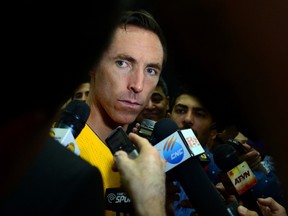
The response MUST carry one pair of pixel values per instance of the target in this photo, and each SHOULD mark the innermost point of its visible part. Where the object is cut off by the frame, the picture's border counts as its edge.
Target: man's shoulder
(62, 160)
(59, 178)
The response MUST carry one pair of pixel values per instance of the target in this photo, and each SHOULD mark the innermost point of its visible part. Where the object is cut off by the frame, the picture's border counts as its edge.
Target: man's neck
(102, 128)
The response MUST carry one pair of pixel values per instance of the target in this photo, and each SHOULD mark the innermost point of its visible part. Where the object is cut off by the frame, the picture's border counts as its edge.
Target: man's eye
(156, 98)
(121, 64)
(78, 95)
(180, 111)
(200, 114)
(152, 71)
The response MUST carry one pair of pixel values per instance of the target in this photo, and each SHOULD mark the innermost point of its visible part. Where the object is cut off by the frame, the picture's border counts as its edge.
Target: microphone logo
(173, 151)
(111, 197)
(70, 145)
(118, 198)
(242, 177)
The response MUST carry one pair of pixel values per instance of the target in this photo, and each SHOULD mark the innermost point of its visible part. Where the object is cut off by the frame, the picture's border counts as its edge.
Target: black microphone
(200, 190)
(237, 177)
(74, 117)
(71, 122)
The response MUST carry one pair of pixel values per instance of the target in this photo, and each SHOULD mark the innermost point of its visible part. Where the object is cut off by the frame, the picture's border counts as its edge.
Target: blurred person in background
(192, 110)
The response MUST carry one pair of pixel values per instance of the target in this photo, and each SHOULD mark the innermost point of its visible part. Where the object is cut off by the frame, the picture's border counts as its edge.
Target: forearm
(151, 207)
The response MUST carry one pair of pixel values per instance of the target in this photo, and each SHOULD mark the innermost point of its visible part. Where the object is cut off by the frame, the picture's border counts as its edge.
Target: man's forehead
(188, 100)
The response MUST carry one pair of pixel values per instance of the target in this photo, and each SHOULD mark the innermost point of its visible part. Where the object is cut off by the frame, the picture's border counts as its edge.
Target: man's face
(82, 92)
(157, 106)
(127, 74)
(188, 112)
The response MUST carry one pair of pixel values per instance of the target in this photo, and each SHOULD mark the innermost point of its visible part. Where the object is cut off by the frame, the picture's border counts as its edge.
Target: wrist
(150, 208)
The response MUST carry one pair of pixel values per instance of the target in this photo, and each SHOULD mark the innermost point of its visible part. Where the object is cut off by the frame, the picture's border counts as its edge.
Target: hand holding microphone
(268, 206)
(237, 177)
(143, 177)
(253, 158)
(179, 149)
(248, 154)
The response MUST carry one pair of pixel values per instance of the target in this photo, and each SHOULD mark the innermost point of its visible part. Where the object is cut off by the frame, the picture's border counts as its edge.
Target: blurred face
(188, 112)
(157, 106)
(82, 92)
(127, 74)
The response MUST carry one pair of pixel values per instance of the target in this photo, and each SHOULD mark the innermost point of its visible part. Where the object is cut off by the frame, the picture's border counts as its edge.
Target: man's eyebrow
(156, 94)
(194, 108)
(200, 109)
(155, 65)
(126, 57)
(181, 106)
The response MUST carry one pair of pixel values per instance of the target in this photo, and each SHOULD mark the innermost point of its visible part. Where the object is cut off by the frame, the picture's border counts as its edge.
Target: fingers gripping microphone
(71, 122)
(237, 177)
(186, 169)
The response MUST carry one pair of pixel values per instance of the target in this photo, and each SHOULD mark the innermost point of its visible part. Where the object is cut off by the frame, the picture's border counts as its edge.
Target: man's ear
(168, 114)
(168, 102)
(213, 133)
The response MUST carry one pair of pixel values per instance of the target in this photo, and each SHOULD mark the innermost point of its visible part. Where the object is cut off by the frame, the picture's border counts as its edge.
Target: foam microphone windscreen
(74, 116)
(163, 128)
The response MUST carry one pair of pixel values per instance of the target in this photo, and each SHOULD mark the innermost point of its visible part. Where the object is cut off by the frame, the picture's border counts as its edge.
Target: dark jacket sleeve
(57, 183)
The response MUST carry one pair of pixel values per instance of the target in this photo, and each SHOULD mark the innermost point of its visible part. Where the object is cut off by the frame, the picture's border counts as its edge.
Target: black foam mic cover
(74, 116)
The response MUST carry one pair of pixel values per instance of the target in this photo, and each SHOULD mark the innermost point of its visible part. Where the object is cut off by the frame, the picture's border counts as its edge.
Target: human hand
(143, 178)
(136, 128)
(229, 198)
(243, 211)
(268, 206)
(252, 157)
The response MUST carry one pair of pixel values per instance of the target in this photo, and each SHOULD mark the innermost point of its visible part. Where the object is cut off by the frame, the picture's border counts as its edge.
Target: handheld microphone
(183, 164)
(71, 122)
(74, 117)
(158, 134)
(237, 177)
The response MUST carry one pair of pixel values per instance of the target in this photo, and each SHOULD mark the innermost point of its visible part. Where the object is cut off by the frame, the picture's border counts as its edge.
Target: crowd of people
(41, 177)
(190, 111)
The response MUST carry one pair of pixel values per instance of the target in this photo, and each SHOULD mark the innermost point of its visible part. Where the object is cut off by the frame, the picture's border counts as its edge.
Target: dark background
(223, 50)
(201, 52)
(235, 53)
